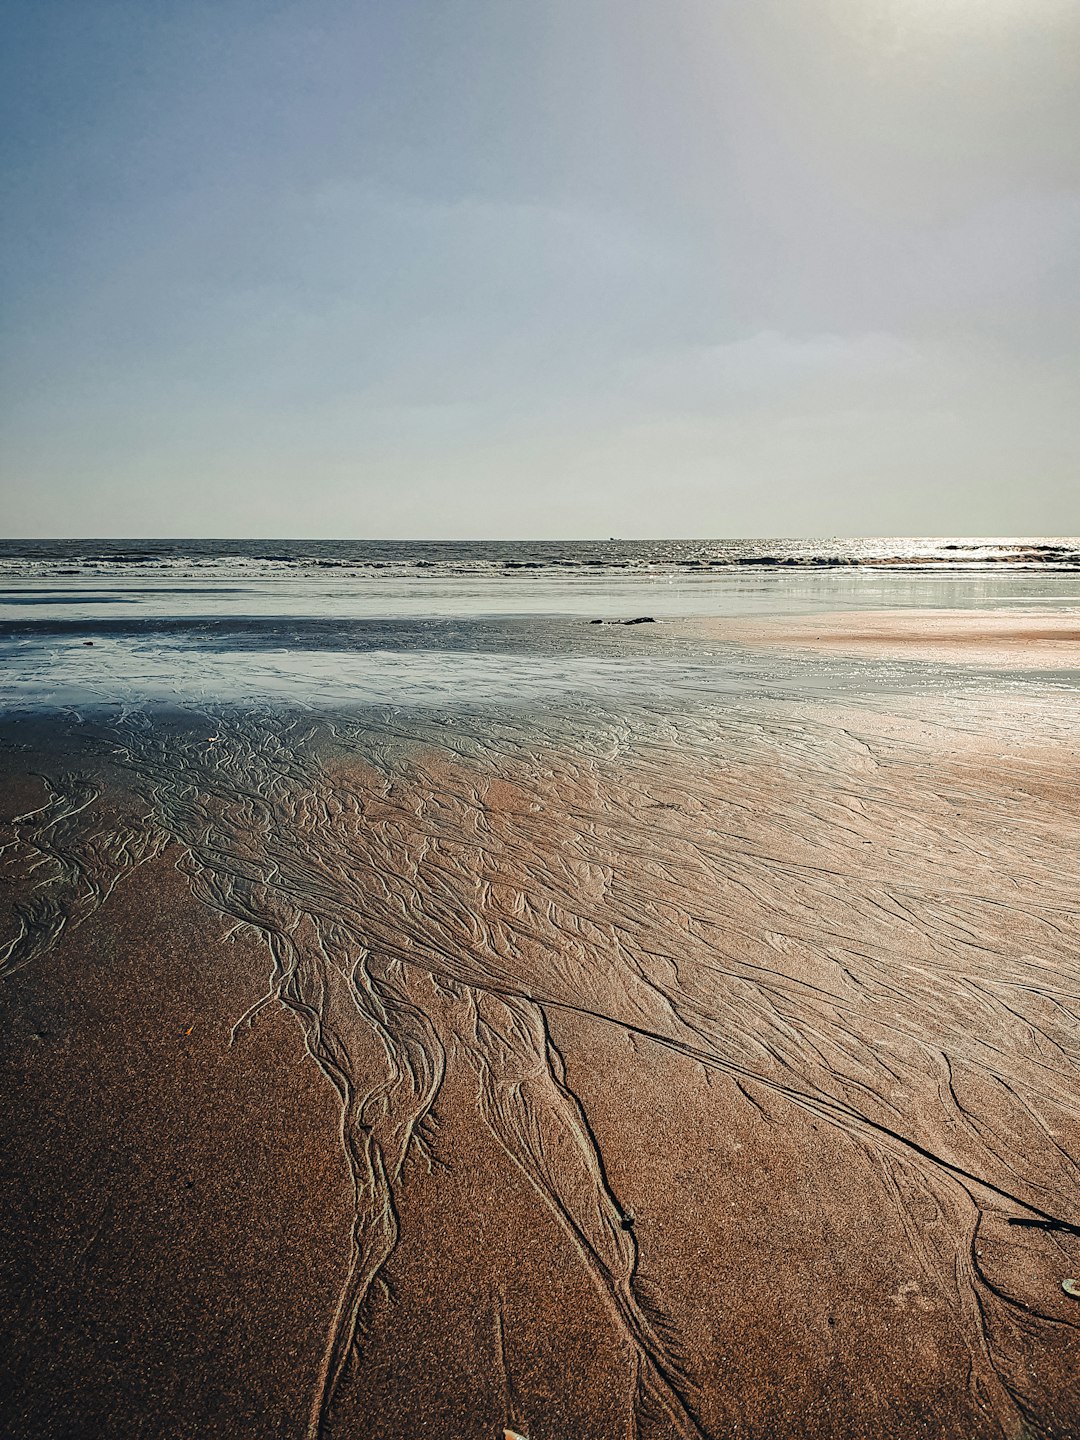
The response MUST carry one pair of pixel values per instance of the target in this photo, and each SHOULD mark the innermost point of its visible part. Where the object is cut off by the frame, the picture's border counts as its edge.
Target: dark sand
(680, 1084)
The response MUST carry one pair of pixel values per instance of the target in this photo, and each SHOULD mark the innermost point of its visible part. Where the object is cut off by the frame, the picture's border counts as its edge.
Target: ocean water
(234, 558)
(109, 623)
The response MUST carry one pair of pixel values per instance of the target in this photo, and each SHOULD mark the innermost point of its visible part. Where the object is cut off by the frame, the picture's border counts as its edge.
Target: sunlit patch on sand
(1000, 639)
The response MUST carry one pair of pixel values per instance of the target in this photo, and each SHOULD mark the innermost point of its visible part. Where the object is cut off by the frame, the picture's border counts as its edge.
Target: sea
(87, 625)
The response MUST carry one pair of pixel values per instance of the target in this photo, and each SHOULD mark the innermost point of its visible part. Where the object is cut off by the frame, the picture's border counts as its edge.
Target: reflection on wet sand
(774, 1014)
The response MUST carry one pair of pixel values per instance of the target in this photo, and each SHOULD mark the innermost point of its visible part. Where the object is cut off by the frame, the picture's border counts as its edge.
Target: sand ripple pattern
(852, 924)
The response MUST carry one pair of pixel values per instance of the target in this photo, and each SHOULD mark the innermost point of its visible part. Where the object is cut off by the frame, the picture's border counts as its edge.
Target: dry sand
(681, 1084)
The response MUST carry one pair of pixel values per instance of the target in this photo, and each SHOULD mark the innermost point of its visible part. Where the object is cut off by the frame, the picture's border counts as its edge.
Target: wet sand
(1045, 640)
(646, 1076)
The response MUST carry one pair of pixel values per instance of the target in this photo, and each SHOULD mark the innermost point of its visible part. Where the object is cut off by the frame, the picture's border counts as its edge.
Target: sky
(540, 268)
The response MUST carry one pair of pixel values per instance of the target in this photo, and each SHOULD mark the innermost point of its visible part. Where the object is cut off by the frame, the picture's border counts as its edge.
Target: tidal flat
(623, 1074)
(501, 1022)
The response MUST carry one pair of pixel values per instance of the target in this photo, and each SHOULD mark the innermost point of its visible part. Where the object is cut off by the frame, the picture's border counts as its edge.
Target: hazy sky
(541, 267)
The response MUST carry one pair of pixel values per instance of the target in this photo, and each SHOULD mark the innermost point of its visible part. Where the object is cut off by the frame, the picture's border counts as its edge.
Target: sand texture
(1008, 639)
(628, 1077)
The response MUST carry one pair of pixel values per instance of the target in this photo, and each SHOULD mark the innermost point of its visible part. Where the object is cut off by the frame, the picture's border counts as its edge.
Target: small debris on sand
(638, 620)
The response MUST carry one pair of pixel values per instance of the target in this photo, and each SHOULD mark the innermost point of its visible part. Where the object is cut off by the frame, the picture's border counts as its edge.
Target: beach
(528, 987)
(625, 1056)
(998, 638)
